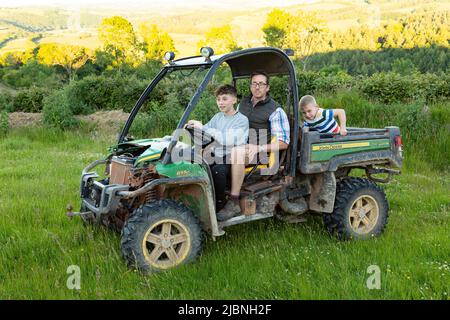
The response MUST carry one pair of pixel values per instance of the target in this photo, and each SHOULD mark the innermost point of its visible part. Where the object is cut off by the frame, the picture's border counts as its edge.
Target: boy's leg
(239, 157)
(220, 173)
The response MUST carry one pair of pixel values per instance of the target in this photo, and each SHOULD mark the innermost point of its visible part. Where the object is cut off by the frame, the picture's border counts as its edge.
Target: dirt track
(105, 119)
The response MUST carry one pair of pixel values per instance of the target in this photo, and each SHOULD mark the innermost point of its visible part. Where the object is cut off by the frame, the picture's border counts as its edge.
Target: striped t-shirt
(325, 123)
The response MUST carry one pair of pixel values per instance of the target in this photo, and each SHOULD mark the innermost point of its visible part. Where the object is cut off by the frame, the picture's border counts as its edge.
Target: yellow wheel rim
(364, 213)
(166, 244)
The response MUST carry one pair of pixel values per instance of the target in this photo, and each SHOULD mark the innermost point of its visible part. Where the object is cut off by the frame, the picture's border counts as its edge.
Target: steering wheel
(199, 136)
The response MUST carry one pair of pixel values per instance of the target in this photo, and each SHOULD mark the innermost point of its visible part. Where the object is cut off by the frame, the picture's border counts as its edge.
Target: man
(267, 119)
(229, 128)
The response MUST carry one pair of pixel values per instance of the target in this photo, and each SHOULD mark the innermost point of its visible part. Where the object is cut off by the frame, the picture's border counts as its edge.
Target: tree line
(423, 36)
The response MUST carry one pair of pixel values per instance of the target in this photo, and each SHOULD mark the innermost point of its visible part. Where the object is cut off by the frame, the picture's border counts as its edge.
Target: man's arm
(279, 127)
(340, 114)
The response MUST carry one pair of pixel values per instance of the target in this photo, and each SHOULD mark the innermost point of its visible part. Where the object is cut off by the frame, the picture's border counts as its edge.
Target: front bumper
(98, 197)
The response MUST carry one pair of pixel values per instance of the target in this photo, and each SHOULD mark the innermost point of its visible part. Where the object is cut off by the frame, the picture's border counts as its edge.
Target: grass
(39, 176)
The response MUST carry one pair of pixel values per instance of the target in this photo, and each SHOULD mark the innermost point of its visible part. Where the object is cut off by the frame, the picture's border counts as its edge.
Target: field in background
(187, 27)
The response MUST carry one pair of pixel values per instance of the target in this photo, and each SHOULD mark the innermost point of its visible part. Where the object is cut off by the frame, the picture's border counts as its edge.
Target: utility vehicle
(162, 207)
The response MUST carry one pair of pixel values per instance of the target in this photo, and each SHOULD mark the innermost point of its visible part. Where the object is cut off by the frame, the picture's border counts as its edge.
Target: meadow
(39, 175)
(40, 165)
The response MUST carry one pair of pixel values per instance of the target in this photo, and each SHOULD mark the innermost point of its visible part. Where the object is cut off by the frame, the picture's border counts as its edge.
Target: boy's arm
(195, 124)
(340, 113)
(305, 126)
(236, 134)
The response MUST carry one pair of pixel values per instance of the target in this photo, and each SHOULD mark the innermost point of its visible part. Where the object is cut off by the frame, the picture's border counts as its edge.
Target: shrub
(5, 102)
(29, 100)
(331, 83)
(57, 111)
(142, 127)
(4, 123)
(392, 87)
(99, 92)
(32, 74)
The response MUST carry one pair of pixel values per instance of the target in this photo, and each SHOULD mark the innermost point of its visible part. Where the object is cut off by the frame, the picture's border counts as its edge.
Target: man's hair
(226, 89)
(305, 100)
(260, 73)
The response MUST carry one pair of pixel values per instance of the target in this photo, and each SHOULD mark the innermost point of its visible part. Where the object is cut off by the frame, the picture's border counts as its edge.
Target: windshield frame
(213, 65)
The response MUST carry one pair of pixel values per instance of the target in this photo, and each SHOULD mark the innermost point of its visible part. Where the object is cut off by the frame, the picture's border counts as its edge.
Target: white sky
(150, 3)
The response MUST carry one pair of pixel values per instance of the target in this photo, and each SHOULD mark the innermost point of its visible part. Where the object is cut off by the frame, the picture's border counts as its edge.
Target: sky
(151, 3)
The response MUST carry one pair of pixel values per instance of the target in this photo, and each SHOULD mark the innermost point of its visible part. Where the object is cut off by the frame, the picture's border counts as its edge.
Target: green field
(39, 176)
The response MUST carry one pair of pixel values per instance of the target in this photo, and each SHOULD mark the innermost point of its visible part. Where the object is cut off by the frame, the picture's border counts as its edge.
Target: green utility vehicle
(162, 206)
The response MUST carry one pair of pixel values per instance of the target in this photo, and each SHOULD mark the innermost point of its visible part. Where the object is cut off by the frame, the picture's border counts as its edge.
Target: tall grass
(39, 175)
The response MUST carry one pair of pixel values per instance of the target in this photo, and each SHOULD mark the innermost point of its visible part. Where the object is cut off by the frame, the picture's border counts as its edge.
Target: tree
(71, 58)
(220, 39)
(277, 28)
(302, 32)
(120, 42)
(16, 58)
(156, 42)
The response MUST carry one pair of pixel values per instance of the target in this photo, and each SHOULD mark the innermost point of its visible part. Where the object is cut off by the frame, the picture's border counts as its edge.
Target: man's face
(226, 102)
(259, 87)
(309, 111)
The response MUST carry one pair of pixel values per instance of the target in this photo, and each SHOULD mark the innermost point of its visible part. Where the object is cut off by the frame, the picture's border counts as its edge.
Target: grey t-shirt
(228, 131)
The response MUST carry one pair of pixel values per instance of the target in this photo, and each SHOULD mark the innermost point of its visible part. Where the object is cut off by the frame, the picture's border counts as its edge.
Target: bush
(57, 111)
(32, 74)
(5, 102)
(94, 93)
(29, 100)
(143, 126)
(392, 87)
(4, 123)
(331, 83)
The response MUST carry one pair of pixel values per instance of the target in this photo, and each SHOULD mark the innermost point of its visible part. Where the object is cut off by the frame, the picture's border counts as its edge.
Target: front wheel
(161, 235)
(360, 210)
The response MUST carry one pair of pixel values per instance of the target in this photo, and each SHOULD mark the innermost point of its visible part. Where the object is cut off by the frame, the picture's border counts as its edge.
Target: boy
(229, 128)
(320, 119)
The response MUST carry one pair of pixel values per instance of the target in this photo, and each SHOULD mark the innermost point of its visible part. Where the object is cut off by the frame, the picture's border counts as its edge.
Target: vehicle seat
(271, 164)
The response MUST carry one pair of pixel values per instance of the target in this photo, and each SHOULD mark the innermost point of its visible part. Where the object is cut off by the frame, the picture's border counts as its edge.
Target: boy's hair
(226, 89)
(260, 73)
(305, 100)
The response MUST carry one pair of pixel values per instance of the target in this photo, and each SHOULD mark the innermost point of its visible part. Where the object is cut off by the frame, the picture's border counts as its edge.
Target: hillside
(78, 25)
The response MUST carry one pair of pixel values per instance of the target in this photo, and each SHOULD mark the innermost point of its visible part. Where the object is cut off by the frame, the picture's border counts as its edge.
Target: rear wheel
(161, 235)
(360, 210)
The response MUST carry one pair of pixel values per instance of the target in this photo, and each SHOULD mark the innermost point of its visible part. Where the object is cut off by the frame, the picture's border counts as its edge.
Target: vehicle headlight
(206, 52)
(169, 55)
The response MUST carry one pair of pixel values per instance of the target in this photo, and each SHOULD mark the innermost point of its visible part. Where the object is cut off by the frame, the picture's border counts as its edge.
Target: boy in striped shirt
(320, 119)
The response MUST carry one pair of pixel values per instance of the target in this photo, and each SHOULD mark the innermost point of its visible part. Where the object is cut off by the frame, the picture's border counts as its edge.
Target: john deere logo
(182, 173)
(324, 147)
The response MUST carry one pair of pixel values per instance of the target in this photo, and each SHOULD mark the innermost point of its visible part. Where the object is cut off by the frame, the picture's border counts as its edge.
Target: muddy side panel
(323, 192)
(320, 153)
